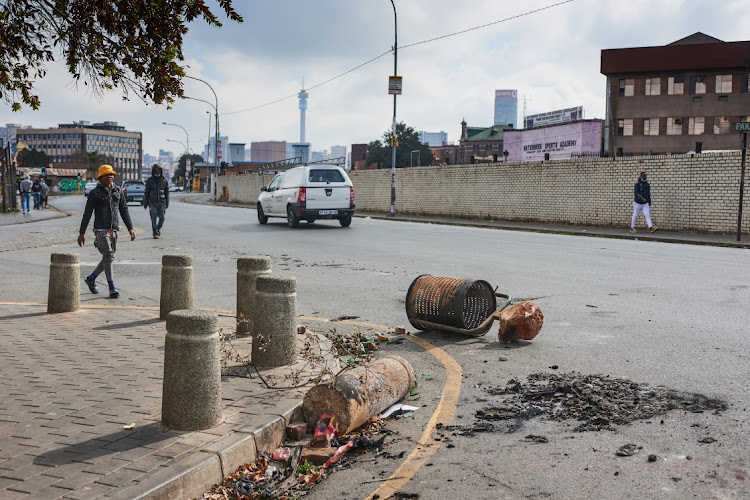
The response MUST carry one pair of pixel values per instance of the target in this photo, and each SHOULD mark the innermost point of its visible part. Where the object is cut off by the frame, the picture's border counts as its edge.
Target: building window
(723, 98)
(723, 84)
(721, 125)
(651, 126)
(625, 126)
(697, 84)
(696, 125)
(697, 99)
(674, 126)
(653, 86)
(627, 87)
(675, 85)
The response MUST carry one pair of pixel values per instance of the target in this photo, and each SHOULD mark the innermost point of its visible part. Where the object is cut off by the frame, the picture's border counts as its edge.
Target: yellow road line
(426, 445)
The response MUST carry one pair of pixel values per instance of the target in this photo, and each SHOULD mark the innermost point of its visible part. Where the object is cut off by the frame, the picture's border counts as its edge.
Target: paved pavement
(690, 238)
(75, 383)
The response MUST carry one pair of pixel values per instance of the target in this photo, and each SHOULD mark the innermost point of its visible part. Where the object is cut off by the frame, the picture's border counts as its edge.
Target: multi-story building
(8, 135)
(338, 152)
(481, 144)
(65, 143)
(222, 153)
(267, 151)
(433, 138)
(676, 98)
(359, 157)
(236, 152)
(506, 107)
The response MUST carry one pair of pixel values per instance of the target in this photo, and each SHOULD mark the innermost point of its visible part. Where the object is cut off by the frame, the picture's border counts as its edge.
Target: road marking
(426, 445)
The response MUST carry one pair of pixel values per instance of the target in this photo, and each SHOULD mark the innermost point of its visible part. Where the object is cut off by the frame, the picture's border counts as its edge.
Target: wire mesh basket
(454, 305)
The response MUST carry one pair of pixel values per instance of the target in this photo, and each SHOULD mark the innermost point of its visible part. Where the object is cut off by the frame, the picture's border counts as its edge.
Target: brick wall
(688, 193)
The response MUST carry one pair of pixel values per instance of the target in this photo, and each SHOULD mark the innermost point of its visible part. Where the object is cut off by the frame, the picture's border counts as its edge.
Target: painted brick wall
(688, 193)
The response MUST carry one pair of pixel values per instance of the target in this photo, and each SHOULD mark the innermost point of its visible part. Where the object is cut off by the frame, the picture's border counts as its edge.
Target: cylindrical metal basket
(454, 305)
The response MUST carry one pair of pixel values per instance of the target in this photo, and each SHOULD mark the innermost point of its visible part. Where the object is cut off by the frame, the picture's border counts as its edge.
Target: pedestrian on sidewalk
(36, 191)
(105, 201)
(44, 193)
(157, 198)
(24, 189)
(642, 203)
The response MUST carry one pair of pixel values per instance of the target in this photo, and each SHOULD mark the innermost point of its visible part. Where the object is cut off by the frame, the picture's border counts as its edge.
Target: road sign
(395, 85)
(741, 126)
(187, 164)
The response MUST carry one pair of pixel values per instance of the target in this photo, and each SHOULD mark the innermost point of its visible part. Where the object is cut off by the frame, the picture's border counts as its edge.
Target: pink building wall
(560, 141)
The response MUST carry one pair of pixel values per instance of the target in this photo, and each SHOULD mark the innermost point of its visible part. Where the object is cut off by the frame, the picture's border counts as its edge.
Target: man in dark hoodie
(642, 203)
(105, 201)
(156, 197)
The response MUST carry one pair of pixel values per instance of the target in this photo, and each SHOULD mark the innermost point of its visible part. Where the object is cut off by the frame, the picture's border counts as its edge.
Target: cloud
(551, 57)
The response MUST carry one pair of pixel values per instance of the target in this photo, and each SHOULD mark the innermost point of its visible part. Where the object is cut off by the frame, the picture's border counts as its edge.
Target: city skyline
(552, 57)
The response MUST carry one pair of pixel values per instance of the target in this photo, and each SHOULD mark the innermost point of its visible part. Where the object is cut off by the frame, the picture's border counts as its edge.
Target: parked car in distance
(175, 188)
(133, 190)
(90, 185)
(308, 193)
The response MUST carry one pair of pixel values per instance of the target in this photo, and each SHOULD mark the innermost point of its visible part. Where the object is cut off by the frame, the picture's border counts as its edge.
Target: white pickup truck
(308, 193)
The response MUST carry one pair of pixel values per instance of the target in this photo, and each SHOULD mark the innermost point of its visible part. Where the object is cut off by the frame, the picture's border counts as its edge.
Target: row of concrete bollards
(266, 309)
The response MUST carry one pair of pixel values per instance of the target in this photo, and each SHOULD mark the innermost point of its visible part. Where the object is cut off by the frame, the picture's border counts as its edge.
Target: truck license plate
(328, 212)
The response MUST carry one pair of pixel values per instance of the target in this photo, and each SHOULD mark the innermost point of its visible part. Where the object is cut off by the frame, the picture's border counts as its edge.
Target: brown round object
(521, 321)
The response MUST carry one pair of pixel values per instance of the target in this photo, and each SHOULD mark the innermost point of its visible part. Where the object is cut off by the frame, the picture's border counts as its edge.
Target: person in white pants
(642, 203)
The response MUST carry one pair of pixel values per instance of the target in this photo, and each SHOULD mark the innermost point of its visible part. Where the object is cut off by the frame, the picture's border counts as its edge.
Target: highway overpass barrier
(64, 283)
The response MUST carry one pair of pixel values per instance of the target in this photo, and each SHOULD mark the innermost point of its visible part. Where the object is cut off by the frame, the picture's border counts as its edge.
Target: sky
(551, 57)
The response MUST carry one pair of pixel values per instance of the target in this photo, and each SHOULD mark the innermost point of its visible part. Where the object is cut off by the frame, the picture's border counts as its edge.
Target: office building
(268, 151)
(676, 98)
(65, 144)
(338, 152)
(433, 138)
(236, 152)
(506, 107)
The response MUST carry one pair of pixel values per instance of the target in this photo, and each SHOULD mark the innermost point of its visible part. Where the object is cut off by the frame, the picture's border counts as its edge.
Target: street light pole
(187, 137)
(393, 137)
(216, 139)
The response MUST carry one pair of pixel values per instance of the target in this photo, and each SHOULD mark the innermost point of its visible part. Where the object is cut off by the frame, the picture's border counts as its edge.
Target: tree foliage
(179, 172)
(380, 152)
(133, 45)
(92, 160)
(32, 158)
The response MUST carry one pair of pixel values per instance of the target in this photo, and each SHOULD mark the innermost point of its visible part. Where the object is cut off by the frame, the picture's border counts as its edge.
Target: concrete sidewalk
(74, 383)
(689, 238)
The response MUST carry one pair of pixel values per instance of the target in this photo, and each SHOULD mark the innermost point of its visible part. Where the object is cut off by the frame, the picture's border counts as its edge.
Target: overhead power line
(402, 47)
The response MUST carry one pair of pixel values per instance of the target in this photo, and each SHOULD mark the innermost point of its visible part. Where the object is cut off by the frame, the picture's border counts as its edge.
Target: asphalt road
(653, 313)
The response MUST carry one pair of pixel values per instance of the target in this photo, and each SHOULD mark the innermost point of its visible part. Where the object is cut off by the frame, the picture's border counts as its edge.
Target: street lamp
(393, 138)
(187, 137)
(419, 157)
(216, 140)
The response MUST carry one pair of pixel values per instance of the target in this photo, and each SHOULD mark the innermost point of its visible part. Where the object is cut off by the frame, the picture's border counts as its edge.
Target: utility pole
(393, 137)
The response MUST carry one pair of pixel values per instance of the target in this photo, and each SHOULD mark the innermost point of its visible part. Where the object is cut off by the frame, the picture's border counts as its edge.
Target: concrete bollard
(191, 393)
(359, 394)
(177, 291)
(64, 283)
(248, 270)
(521, 321)
(274, 321)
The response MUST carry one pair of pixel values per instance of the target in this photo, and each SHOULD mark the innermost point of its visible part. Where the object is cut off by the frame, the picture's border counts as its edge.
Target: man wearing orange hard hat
(105, 201)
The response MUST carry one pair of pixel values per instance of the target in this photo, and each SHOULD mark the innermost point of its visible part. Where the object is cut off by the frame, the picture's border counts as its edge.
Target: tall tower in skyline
(506, 107)
(303, 95)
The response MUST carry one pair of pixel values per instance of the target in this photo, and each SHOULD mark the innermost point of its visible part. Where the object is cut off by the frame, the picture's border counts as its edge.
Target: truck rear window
(325, 175)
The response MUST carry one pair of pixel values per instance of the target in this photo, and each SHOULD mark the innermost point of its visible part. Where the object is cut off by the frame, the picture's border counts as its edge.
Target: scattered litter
(339, 453)
(398, 409)
(381, 338)
(536, 439)
(129, 426)
(707, 440)
(281, 454)
(627, 450)
(400, 331)
(301, 330)
(652, 458)
(325, 429)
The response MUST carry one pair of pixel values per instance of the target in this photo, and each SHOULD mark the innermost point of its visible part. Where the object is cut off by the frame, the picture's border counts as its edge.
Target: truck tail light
(302, 196)
(351, 196)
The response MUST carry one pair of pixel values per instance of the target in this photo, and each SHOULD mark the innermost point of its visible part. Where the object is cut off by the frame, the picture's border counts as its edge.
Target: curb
(468, 223)
(200, 472)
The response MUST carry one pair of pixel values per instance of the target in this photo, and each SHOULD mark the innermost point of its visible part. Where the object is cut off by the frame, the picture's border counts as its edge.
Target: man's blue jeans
(156, 211)
(37, 197)
(25, 201)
